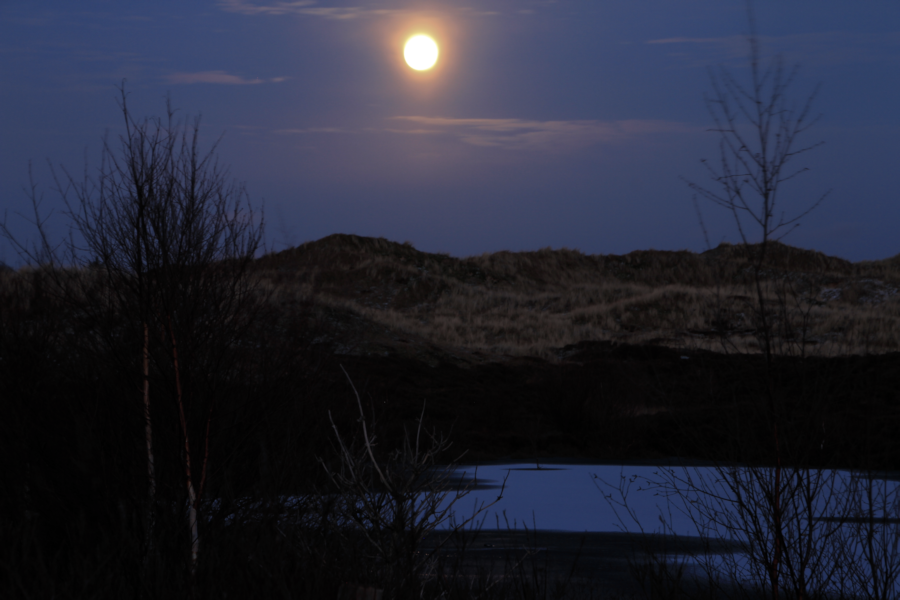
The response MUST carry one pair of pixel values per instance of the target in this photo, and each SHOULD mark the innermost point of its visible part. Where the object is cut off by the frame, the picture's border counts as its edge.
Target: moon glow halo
(420, 52)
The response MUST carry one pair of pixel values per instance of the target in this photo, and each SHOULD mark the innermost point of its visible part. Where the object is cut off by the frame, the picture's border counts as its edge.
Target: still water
(708, 520)
(563, 496)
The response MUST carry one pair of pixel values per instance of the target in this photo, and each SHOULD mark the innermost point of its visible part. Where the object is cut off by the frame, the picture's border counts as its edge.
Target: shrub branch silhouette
(398, 500)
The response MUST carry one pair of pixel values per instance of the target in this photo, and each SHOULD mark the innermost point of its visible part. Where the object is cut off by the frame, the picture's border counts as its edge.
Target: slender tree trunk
(777, 517)
(151, 471)
(192, 497)
(205, 454)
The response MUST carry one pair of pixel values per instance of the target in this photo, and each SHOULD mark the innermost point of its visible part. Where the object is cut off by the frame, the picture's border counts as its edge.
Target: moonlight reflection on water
(571, 504)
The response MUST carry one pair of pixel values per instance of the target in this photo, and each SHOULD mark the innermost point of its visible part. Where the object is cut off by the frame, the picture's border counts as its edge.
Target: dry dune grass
(533, 303)
(22, 289)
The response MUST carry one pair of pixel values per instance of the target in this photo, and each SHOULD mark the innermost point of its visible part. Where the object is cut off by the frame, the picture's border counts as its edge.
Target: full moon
(420, 52)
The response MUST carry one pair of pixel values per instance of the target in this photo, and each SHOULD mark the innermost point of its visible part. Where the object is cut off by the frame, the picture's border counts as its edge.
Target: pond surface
(558, 513)
(610, 515)
(564, 496)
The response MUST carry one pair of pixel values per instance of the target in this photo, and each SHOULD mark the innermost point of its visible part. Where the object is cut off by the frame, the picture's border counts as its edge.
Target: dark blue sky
(545, 123)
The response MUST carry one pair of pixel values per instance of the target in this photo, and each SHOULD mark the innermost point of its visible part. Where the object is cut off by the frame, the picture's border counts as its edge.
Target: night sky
(562, 123)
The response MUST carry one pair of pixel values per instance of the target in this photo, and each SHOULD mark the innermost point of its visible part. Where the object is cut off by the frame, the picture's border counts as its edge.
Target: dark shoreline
(600, 559)
(608, 402)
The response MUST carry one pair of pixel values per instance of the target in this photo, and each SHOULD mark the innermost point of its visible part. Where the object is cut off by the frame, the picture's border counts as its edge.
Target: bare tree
(170, 239)
(790, 513)
(759, 129)
(771, 494)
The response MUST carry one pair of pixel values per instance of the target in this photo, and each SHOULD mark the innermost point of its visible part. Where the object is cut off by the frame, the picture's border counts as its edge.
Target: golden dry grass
(532, 303)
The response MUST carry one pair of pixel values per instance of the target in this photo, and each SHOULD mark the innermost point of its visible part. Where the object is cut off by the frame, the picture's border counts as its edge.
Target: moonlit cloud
(523, 134)
(219, 77)
(305, 7)
(687, 40)
(516, 134)
(310, 8)
(276, 8)
(312, 130)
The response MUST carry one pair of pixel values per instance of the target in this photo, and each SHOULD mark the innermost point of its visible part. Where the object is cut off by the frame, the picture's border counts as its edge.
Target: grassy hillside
(533, 303)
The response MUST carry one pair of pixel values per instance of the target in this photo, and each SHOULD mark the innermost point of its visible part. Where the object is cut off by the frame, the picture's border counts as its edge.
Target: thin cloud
(686, 40)
(727, 49)
(310, 8)
(305, 7)
(515, 134)
(218, 77)
(278, 8)
(523, 134)
(823, 48)
(311, 130)
(409, 131)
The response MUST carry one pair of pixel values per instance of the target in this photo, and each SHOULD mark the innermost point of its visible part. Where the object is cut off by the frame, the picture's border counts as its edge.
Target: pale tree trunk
(189, 483)
(151, 472)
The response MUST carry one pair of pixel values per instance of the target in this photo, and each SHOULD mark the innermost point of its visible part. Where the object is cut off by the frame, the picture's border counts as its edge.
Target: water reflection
(565, 496)
(839, 531)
